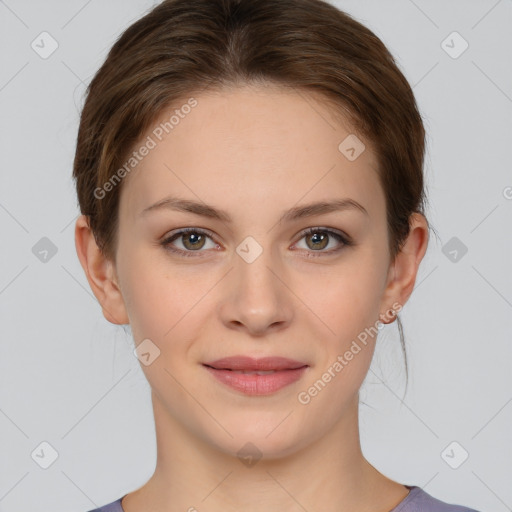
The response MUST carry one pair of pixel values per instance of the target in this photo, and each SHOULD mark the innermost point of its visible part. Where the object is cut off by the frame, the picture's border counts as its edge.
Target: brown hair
(183, 46)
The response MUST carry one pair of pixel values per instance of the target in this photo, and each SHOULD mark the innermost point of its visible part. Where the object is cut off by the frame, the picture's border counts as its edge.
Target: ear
(100, 273)
(403, 270)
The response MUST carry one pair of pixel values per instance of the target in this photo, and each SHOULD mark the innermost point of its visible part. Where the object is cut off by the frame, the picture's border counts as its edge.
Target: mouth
(256, 376)
(247, 372)
(246, 364)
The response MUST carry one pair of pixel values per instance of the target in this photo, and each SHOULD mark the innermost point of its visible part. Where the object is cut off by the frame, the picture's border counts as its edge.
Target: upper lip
(253, 364)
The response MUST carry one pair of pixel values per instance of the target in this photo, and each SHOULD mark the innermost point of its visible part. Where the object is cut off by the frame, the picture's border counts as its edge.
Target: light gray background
(69, 378)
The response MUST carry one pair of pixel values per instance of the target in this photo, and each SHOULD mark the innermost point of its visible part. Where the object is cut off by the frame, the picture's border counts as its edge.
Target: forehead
(251, 146)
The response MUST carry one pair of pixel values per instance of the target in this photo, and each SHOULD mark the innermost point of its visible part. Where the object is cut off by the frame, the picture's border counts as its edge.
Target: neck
(329, 473)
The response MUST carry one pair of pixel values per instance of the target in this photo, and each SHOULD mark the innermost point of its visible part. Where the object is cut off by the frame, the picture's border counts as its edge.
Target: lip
(253, 364)
(286, 372)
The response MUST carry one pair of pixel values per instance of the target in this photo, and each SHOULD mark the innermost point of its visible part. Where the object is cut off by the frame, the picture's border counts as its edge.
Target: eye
(191, 239)
(317, 239)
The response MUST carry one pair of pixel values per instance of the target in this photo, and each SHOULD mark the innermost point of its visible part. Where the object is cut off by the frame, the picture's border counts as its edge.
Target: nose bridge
(257, 298)
(252, 272)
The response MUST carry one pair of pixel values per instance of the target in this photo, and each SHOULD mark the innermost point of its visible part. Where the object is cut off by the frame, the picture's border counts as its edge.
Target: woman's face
(252, 282)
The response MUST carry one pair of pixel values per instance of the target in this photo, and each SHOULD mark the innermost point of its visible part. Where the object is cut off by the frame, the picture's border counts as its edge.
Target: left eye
(318, 239)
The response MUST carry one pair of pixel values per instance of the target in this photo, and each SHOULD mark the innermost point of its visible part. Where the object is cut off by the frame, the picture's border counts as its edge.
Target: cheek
(346, 300)
(148, 296)
(163, 301)
(349, 307)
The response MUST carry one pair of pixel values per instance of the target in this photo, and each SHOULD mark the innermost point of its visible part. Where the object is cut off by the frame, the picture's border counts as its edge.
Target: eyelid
(315, 229)
(166, 242)
(341, 237)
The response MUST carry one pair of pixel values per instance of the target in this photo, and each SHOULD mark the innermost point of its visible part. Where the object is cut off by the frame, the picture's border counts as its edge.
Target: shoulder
(419, 500)
(115, 506)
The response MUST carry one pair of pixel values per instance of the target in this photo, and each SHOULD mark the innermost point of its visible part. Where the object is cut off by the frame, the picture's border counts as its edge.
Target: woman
(250, 178)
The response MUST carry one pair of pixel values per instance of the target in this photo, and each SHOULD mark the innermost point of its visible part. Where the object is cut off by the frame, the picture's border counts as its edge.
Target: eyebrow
(295, 213)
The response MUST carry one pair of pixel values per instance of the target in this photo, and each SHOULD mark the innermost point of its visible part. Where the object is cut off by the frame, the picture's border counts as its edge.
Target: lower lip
(254, 384)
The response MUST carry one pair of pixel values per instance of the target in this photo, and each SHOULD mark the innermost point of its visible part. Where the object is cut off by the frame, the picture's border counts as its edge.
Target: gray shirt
(416, 501)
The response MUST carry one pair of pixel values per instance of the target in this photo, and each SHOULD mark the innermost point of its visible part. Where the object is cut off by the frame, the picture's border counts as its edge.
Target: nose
(256, 298)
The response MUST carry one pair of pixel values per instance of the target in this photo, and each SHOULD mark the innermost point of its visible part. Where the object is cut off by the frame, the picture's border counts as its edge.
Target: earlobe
(100, 273)
(402, 274)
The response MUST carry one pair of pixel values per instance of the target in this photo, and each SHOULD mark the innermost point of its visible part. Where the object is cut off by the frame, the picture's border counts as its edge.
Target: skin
(255, 152)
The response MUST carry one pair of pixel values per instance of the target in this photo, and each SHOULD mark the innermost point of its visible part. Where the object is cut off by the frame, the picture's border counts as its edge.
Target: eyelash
(346, 241)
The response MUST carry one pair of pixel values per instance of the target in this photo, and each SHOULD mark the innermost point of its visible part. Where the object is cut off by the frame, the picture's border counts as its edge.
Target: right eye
(191, 239)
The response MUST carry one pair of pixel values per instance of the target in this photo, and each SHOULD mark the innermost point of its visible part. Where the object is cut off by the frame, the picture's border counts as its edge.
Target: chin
(266, 440)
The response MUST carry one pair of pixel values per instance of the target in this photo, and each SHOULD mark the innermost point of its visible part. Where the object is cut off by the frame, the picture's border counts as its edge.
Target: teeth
(254, 372)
